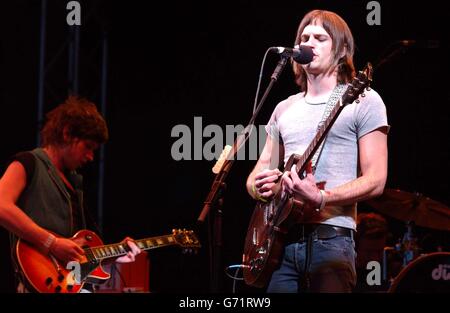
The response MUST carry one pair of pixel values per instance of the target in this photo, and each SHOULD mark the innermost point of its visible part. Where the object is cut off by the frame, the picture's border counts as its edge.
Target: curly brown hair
(343, 41)
(81, 120)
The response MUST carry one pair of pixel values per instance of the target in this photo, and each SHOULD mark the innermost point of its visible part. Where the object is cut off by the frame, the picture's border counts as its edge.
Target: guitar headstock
(186, 239)
(361, 81)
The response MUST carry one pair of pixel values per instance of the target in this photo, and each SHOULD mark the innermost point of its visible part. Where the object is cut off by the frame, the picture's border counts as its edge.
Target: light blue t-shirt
(294, 122)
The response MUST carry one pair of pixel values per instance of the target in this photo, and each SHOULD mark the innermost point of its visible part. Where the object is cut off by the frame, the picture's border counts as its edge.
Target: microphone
(302, 55)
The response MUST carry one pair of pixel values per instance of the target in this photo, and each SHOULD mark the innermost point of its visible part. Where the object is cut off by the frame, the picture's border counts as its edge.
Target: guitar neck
(119, 249)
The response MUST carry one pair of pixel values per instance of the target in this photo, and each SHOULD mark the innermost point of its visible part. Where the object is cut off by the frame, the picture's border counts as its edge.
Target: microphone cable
(235, 277)
(259, 79)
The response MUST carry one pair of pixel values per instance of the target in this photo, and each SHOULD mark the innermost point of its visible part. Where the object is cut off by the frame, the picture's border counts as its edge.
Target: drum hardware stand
(386, 251)
(407, 247)
(409, 244)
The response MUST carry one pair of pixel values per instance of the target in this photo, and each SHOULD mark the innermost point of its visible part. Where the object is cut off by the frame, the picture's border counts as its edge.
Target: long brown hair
(342, 39)
(81, 120)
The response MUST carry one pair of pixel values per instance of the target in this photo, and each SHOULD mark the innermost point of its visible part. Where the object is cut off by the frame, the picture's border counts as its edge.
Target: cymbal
(415, 207)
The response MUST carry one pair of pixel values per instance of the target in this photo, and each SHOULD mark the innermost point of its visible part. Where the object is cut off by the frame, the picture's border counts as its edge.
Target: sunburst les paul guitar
(45, 274)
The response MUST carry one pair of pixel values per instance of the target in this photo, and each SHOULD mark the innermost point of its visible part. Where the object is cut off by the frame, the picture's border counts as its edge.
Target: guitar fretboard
(119, 249)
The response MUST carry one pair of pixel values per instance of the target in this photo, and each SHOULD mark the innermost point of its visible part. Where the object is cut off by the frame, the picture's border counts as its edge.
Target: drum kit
(419, 270)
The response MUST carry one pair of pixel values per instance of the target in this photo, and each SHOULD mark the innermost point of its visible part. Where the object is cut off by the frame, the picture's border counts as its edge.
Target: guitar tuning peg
(363, 95)
(357, 101)
(368, 88)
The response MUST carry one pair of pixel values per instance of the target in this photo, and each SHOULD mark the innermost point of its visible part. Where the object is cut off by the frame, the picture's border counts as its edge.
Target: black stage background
(173, 61)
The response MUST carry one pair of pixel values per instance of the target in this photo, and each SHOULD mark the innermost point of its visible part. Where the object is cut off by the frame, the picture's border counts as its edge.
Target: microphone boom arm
(237, 145)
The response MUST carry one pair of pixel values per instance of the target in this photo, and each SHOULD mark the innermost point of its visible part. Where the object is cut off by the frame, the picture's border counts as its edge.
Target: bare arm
(373, 156)
(373, 163)
(266, 172)
(12, 218)
(16, 221)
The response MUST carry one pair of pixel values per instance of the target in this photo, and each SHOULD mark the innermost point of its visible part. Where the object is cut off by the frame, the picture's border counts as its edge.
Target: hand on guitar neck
(131, 255)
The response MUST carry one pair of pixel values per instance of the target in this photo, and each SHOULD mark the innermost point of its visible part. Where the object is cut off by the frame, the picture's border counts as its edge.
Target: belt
(320, 231)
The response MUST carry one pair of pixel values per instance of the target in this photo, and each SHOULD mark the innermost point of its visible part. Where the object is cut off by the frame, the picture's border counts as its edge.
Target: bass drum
(429, 273)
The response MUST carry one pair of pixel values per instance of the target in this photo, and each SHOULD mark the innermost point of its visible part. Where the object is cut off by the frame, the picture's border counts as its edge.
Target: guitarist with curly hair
(40, 200)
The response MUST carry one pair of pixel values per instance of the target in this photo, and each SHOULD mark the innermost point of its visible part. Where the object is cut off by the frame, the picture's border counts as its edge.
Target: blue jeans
(332, 267)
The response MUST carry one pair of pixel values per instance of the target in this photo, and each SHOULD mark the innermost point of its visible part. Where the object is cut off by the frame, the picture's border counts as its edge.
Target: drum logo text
(441, 272)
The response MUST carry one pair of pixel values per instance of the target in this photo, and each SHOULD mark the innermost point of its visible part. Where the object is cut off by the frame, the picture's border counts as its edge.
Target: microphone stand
(214, 200)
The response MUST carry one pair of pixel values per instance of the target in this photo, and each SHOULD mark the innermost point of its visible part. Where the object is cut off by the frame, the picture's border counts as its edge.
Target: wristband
(322, 201)
(49, 241)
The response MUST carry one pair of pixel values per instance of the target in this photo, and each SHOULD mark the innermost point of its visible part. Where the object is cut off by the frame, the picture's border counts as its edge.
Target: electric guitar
(45, 274)
(271, 220)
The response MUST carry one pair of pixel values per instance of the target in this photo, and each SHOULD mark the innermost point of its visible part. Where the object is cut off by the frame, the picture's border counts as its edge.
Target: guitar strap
(77, 182)
(337, 93)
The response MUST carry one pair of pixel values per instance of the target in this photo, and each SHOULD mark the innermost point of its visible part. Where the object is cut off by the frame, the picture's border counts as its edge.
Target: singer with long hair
(319, 255)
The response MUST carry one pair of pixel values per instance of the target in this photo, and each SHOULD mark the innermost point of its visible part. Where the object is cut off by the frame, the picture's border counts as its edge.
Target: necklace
(311, 103)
